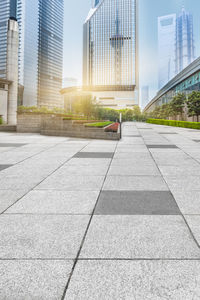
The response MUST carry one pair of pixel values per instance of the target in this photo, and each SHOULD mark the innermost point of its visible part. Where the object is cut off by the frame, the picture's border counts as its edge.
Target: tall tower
(40, 51)
(166, 48)
(110, 52)
(7, 11)
(185, 49)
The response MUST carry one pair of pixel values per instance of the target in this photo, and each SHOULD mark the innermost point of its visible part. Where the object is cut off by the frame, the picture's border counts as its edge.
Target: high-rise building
(175, 45)
(166, 48)
(110, 52)
(40, 51)
(7, 11)
(185, 49)
(144, 95)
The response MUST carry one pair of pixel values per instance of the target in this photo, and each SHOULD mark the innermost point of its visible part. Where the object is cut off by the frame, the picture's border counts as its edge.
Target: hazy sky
(149, 10)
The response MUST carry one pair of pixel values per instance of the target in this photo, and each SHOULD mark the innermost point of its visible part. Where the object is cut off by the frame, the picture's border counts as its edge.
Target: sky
(149, 10)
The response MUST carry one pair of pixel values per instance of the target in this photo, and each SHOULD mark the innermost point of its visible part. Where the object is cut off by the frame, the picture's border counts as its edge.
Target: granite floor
(101, 220)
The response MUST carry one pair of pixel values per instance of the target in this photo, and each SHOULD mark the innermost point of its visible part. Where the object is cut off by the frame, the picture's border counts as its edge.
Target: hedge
(1, 121)
(193, 125)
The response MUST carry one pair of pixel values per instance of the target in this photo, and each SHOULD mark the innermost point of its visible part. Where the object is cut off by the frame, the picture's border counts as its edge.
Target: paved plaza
(101, 220)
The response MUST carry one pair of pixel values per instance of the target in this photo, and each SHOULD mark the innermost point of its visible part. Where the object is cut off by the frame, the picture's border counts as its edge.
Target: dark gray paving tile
(136, 203)
(167, 132)
(162, 146)
(3, 167)
(94, 155)
(198, 141)
(11, 145)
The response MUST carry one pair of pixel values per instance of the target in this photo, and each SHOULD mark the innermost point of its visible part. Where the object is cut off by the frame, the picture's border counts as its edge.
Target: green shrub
(99, 125)
(193, 125)
(1, 121)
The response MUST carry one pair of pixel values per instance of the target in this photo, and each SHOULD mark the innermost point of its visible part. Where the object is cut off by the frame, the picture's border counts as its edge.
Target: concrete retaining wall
(54, 125)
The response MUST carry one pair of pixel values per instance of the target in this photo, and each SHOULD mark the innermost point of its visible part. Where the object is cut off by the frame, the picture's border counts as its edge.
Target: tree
(137, 113)
(193, 104)
(177, 104)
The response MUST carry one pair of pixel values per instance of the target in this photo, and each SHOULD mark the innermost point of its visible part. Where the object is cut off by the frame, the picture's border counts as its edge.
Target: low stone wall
(8, 128)
(54, 125)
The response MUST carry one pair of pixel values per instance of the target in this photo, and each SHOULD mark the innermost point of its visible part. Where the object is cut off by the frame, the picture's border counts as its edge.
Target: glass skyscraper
(110, 47)
(7, 11)
(175, 45)
(185, 49)
(40, 48)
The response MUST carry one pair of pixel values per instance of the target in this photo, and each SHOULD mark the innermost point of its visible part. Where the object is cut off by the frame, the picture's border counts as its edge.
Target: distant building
(144, 96)
(185, 49)
(110, 53)
(175, 45)
(166, 48)
(69, 82)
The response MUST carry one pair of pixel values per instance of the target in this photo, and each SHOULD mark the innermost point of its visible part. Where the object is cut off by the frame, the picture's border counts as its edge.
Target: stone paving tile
(141, 280)
(33, 279)
(96, 170)
(162, 146)
(41, 236)
(56, 202)
(139, 237)
(3, 167)
(188, 201)
(135, 169)
(72, 183)
(167, 132)
(136, 203)
(89, 161)
(11, 145)
(135, 183)
(177, 170)
(94, 155)
(8, 197)
(183, 183)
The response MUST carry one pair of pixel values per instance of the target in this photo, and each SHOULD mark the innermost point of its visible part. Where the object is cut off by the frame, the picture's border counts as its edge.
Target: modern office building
(7, 11)
(166, 48)
(185, 49)
(176, 48)
(110, 69)
(144, 96)
(186, 81)
(40, 51)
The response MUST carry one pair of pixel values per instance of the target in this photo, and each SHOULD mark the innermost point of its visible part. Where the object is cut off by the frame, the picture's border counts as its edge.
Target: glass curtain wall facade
(109, 49)
(50, 52)
(166, 48)
(185, 49)
(7, 11)
(40, 51)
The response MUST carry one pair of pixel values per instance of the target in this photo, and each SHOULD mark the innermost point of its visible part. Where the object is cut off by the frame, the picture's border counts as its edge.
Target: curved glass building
(110, 52)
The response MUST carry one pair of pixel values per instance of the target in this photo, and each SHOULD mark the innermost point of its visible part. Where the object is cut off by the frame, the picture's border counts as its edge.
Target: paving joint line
(181, 214)
(86, 231)
(41, 180)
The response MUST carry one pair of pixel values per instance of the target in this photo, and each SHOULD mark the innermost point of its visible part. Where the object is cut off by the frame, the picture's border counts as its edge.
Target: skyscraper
(184, 41)
(175, 45)
(40, 51)
(7, 11)
(110, 52)
(166, 48)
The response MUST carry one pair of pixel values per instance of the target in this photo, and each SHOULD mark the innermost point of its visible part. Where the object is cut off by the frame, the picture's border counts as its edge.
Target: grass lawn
(98, 125)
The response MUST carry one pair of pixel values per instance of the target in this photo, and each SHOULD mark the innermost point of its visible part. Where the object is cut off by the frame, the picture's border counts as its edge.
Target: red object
(112, 128)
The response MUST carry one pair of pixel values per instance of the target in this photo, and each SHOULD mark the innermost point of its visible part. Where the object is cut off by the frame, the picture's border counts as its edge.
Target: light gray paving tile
(139, 237)
(82, 170)
(56, 202)
(188, 201)
(72, 183)
(137, 183)
(141, 280)
(8, 197)
(177, 170)
(183, 183)
(193, 222)
(11, 145)
(43, 236)
(94, 155)
(136, 203)
(89, 161)
(33, 279)
(136, 169)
